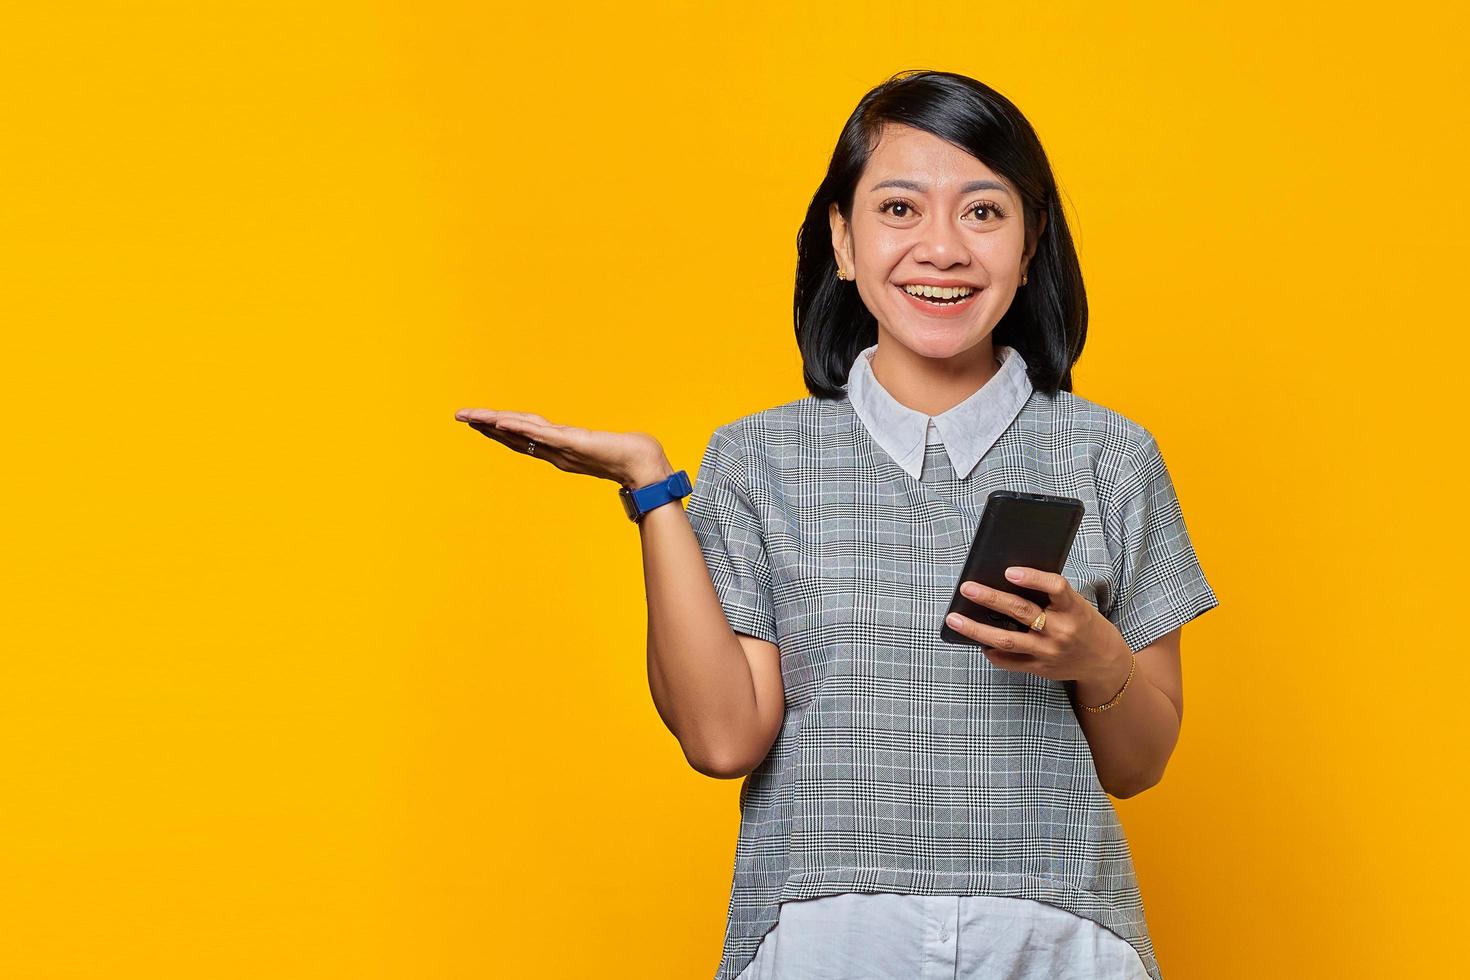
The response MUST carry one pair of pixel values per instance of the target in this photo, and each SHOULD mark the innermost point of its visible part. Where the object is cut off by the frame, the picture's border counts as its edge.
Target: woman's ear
(841, 240)
(1041, 227)
(1035, 239)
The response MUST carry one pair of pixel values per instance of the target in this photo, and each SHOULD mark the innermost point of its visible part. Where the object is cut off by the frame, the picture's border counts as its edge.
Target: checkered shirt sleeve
(730, 535)
(1159, 582)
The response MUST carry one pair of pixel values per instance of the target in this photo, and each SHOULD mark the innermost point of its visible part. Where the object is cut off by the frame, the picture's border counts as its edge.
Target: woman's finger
(493, 415)
(564, 437)
(1007, 641)
(506, 416)
(485, 415)
(520, 443)
(1054, 584)
(1013, 661)
(515, 440)
(554, 443)
(1019, 608)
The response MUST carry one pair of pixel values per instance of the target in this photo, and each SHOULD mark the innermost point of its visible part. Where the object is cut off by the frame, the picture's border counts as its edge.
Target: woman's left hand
(1075, 643)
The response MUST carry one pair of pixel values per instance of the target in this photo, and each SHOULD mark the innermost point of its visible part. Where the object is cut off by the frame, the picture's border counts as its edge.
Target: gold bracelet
(1132, 662)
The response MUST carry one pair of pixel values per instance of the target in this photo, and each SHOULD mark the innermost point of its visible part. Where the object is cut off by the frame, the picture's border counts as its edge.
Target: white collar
(967, 430)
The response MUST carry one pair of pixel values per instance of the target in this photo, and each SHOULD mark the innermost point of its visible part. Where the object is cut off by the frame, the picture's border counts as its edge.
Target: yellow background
(304, 679)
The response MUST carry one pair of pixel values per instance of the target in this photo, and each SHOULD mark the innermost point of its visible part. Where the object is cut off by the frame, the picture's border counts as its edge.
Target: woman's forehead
(917, 157)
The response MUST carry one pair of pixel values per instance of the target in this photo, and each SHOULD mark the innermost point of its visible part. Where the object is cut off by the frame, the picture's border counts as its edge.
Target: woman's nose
(940, 244)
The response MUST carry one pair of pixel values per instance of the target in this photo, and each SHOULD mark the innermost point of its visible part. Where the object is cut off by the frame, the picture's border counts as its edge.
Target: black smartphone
(1031, 529)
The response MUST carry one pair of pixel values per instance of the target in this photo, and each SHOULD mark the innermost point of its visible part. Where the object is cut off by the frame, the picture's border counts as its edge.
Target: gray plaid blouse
(906, 764)
(895, 935)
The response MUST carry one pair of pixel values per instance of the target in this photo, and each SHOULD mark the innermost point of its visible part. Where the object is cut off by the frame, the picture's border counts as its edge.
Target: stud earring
(1023, 278)
(839, 273)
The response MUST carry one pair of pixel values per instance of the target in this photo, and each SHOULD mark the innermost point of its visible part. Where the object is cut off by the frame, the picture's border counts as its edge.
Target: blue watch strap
(657, 494)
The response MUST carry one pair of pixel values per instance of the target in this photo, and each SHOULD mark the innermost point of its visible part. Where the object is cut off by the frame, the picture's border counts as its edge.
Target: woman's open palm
(609, 455)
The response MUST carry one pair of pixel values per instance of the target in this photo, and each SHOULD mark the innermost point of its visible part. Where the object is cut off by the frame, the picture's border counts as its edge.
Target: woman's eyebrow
(913, 185)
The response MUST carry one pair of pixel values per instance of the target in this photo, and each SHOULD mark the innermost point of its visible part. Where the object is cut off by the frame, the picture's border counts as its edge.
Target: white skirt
(883, 936)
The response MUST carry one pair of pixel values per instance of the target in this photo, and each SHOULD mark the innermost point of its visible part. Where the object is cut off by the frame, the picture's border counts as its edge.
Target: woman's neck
(933, 385)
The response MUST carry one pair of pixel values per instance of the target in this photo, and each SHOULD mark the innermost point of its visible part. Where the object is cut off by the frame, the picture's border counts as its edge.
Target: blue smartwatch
(638, 502)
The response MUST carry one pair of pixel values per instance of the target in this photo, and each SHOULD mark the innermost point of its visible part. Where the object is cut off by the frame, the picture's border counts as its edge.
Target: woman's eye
(994, 209)
(895, 204)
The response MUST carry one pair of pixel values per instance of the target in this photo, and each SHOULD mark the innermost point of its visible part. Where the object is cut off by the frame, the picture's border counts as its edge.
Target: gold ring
(531, 449)
(1039, 621)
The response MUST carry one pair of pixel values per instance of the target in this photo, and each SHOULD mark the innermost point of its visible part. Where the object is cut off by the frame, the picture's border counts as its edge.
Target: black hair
(1047, 320)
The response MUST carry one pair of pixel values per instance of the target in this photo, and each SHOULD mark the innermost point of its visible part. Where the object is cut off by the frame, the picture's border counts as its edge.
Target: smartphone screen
(1031, 529)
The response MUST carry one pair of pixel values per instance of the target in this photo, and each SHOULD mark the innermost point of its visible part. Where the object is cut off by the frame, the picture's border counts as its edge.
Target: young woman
(914, 807)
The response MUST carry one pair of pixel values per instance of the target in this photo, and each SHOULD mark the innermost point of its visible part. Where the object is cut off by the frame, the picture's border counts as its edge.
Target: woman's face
(927, 212)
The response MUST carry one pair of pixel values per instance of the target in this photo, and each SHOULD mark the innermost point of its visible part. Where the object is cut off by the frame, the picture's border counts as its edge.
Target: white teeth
(938, 292)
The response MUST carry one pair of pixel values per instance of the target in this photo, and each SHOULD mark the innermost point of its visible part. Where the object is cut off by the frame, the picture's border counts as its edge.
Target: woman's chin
(949, 340)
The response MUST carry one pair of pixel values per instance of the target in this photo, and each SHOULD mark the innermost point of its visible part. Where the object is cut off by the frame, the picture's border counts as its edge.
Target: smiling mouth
(939, 295)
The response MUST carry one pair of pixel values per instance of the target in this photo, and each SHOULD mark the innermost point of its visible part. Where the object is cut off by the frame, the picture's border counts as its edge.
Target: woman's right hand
(633, 459)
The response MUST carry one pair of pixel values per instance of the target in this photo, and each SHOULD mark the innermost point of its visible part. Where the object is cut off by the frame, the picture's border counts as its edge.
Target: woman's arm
(720, 696)
(719, 692)
(1131, 742)
(1157, 582)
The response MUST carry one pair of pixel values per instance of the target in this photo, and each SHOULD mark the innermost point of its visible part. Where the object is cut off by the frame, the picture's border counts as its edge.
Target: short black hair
(1047, 320)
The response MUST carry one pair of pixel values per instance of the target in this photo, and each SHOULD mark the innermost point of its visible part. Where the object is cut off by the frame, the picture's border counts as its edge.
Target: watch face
(630, 506)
